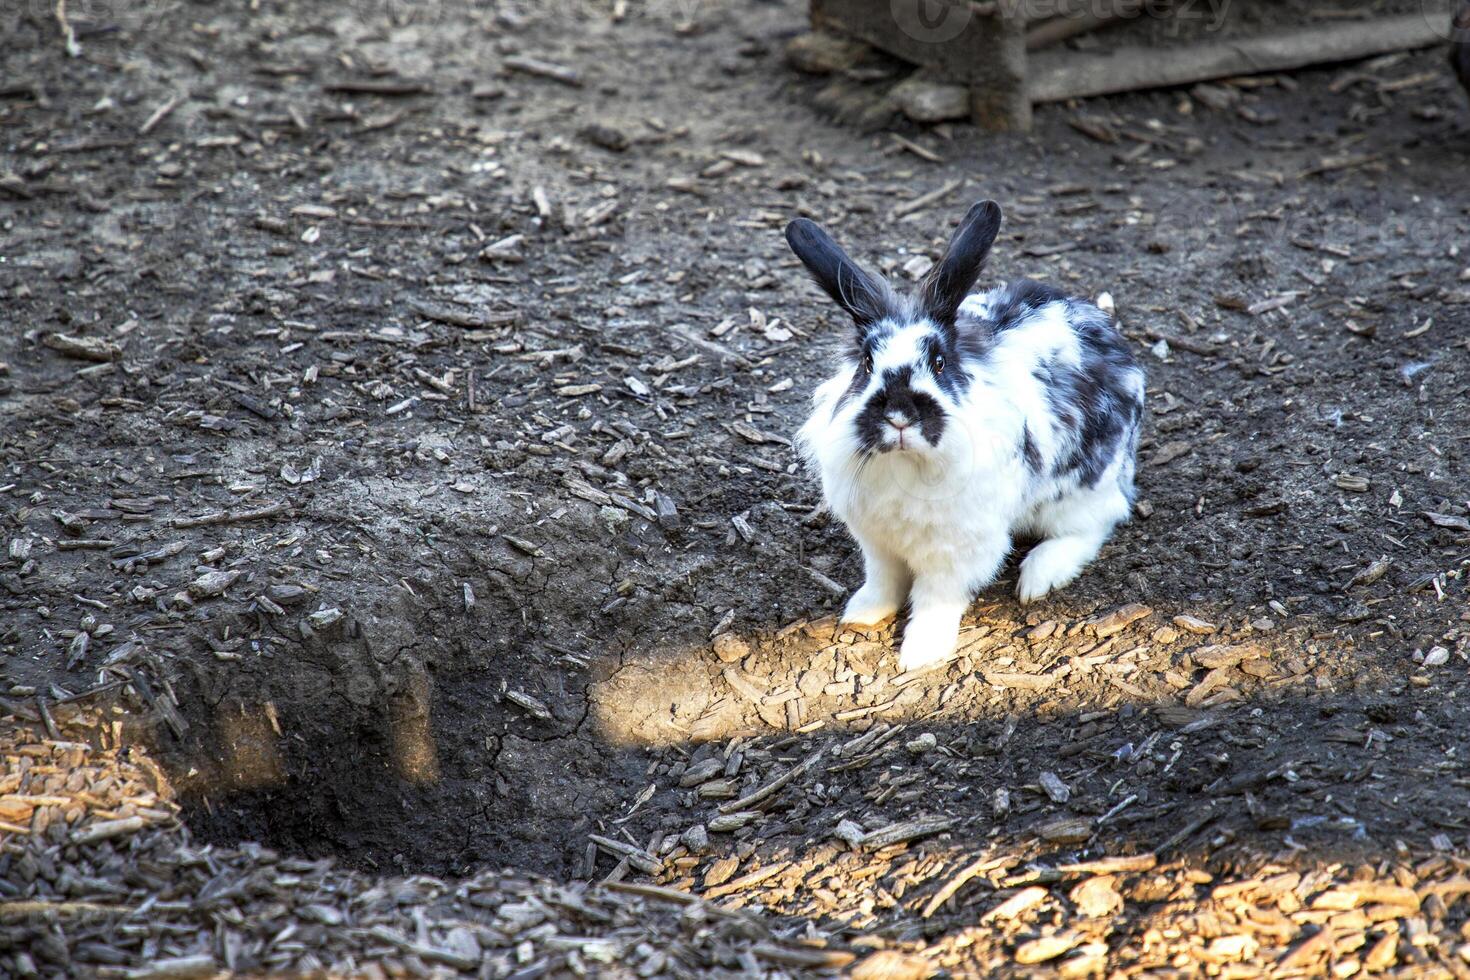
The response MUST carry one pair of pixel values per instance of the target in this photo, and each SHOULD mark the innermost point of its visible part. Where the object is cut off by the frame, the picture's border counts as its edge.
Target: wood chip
(906, 830)
(954, 884)
(1046, 947)
(82, 348)
(1223, 655)
(1018, 904)
(108, 829)
(177, 968)
(527, 65)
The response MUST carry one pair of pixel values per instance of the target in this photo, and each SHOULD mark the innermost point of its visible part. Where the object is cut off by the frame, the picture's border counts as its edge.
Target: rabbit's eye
(867, 363)
(938, 363)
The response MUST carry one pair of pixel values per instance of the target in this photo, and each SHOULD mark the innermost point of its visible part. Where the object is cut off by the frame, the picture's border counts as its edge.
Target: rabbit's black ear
(949, 282)
(866, 300)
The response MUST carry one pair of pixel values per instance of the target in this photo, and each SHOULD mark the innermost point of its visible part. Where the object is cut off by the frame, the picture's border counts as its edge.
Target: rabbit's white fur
(935, 523)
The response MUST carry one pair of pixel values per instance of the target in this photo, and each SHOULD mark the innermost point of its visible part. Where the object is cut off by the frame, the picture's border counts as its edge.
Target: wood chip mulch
(99, 878)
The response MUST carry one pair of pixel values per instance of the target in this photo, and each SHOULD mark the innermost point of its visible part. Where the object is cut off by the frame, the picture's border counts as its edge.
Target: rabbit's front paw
(871, 605)
(927, 641)
(1054, 563)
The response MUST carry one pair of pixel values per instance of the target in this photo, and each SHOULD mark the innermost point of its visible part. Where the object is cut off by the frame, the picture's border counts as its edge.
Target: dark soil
(520, 360)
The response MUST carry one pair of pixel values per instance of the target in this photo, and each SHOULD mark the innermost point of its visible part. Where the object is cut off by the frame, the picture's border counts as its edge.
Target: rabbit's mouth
(900, 435)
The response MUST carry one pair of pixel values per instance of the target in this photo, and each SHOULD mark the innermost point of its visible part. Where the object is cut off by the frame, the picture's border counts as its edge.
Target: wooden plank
(1060, 75)
(971, 43)
(1084, 19)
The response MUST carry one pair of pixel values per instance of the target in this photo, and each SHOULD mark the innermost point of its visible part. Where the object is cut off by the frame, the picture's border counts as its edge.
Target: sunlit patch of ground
(1217, 909)
(815, 675)
(878, 833)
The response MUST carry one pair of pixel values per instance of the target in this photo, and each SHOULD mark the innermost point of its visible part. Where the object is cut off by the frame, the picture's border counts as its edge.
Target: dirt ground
(395, 408)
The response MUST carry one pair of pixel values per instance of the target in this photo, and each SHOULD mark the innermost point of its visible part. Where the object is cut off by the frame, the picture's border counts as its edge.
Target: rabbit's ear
(949, 282)
(866, 300)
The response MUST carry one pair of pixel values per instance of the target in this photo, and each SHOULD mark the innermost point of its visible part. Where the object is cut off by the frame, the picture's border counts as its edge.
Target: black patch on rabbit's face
(897, 398)
(869, 343)
(945, 356)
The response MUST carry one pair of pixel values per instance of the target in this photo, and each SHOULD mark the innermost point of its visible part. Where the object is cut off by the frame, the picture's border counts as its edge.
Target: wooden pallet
(1003, 50)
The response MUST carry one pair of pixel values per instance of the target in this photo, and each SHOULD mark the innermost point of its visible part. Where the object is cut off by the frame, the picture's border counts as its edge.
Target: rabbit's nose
(900, 403)
(898, 420)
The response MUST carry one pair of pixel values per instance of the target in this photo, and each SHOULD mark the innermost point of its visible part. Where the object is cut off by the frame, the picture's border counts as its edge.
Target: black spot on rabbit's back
(1095, 404)
(973, 339)
(1019, 299)
(1029, 450)
(1008, 307)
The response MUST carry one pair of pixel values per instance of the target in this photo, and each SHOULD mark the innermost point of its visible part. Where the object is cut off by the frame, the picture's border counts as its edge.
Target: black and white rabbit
(956, 421)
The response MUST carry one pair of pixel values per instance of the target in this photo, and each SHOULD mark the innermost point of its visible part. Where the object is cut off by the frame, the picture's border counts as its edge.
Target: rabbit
(958, 421)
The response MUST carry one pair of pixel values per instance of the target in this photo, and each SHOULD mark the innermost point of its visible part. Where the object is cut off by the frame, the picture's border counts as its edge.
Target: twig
(656, 892)
(46, 718)
(544, 69)
(922, 152)
(745, 881)
(1186, 831)
(160, 114)
(961, 878)
(1129, 801)
(795, 772)
(453, 958)
(233, 516)
(709, 345)
(155, 704)
(635, 856)
(1183, 343)
(73, 48)
(456, 318)
(1111, 865)
(108, 829)
(387, 88)
(924, 200)
(663, 894)
(825, 581)
(831, 959)
(93, 692)
(35, 909)
(379, 122)
(902, 833)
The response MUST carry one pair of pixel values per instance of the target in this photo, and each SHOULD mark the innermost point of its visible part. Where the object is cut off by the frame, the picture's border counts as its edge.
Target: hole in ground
(356, 745)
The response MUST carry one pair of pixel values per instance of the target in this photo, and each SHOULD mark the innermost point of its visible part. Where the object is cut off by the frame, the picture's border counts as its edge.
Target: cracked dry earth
(397, 489)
